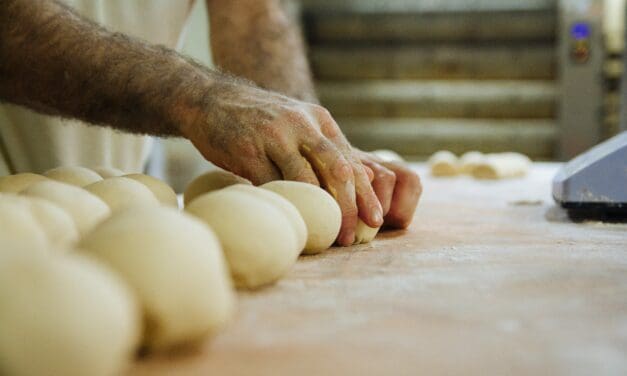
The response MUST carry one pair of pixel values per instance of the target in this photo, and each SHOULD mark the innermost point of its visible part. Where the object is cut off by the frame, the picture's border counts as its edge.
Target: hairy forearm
(58, 63)
(258, 40)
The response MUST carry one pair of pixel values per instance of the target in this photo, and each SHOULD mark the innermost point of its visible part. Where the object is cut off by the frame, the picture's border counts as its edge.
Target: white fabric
(33, 142)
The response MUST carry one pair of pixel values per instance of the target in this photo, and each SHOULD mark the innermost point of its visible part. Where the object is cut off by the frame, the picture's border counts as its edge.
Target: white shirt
(35, 143)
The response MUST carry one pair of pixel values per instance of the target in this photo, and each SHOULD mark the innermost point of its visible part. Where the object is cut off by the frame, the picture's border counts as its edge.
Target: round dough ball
(296, 220)
(56, 223)
(211, 181)
(85, 208)
(163, 192)
(259, 242)
(19, 225)
(444, 163)
(318, 208)
(75, 175)
(502, 166)
(364, 233)
(122, 193)
(18, 182)
(175, 266)
(108, 172)
(469, 161)
(64, 315)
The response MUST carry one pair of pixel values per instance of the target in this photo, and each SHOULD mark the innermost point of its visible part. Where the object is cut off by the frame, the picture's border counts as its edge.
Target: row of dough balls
(89, 275)
(99, 264)
(479, 165)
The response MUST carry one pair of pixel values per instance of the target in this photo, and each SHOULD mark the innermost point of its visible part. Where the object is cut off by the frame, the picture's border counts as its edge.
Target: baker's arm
(257, 39)
(56, 62)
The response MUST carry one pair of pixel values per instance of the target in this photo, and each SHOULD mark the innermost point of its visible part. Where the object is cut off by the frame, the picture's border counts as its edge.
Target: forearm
(256, 39)
(56, 62)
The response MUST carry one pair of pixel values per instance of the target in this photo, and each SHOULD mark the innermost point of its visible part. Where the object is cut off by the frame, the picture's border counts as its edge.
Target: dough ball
(364, 233)
(108, 172)
(258, 239)
(388, 155)
(75, 175)
(163, 192)
(122, 193)
(55, 222)
(444, 163)
(211, 181)
(318, 208)
(18, 182)
(175, 266)
(469, 161)
(296, 220)
(502, 166)
(64, 315)
(19, 225)
(85, 208)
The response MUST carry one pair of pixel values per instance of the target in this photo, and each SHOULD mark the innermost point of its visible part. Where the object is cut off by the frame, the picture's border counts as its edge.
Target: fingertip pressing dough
(64, 315)
(364, 233)
(502, 166)
(174, 264)
(55, 222)
(75, 175)
(122, 193)
(469, 161)
(320, 211)
(162, 191)
(211, 181)
(444, 163)
(18, 182)
(296, 220)
(85, 208)
(388, 155)
(108, 172)
(258, 239)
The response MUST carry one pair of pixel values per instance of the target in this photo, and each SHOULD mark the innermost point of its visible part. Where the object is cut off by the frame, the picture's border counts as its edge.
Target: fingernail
(377, 217)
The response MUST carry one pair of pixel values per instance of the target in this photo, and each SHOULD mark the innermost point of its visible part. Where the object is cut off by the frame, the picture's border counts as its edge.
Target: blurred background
(539, 77)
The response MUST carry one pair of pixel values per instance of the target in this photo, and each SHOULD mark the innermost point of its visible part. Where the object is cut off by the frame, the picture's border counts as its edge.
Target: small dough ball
(388, 155)
(318, 208)
(19, 225)
(211, 181)
(364, 233)
(259, 241)
(108, 172)
(18, 182)
(469, 161)
(122, 193)
(85, 208)
(75, 175)
(175, 266)
(296, 220)
(444, 163)
(56, 223)
(64, 315)
(163, 192)
(502, 166)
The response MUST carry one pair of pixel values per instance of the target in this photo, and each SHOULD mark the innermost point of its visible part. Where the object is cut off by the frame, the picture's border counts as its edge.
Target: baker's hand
(397, 187)
(263, 136)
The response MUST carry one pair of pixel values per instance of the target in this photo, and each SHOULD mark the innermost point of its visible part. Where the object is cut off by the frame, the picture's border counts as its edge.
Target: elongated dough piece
(364, 233)
(444, 163)
(502, 166)
(469, 161)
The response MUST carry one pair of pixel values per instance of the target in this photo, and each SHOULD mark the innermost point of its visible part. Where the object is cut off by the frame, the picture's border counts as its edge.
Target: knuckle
(386, 176)
(296, 116)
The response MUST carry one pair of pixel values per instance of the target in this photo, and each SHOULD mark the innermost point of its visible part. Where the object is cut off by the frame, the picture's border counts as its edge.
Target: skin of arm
(258, 40)
(58, 63)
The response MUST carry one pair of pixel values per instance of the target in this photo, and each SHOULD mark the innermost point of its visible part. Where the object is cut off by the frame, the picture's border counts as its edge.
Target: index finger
(336, 175)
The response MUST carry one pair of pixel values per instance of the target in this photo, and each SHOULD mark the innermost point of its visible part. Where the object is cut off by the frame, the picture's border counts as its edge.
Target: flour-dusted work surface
(491, 278)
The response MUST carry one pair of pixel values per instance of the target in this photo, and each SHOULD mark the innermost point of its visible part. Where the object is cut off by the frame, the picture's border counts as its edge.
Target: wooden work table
(491, 278)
